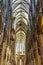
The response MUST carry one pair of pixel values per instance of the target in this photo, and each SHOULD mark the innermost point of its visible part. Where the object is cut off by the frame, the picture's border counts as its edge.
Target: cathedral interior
(21, 32)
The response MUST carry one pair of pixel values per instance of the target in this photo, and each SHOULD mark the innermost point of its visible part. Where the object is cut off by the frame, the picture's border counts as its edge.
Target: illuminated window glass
(20, 49)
